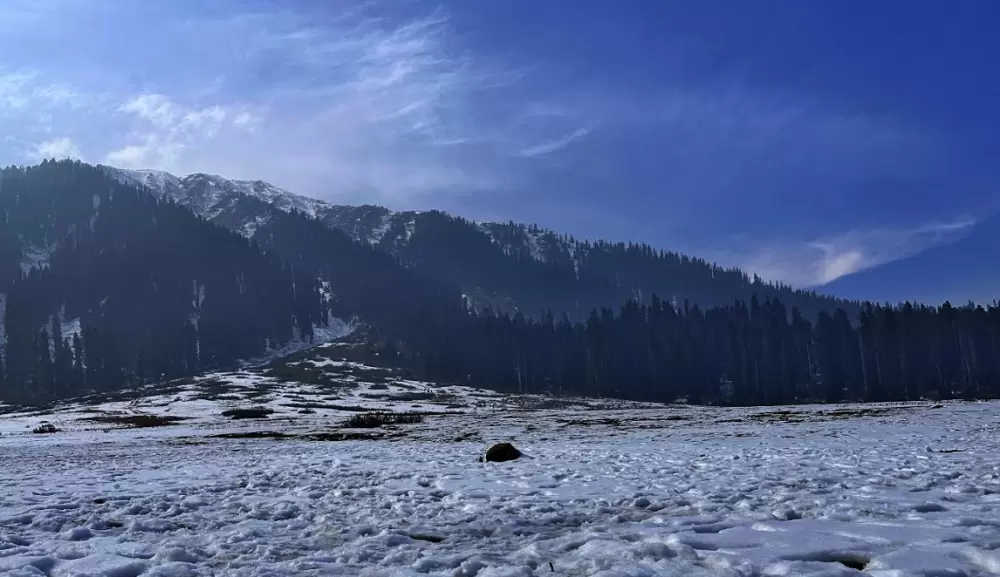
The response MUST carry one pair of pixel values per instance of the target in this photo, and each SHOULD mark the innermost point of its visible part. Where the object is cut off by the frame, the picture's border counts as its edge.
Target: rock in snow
(502, 452)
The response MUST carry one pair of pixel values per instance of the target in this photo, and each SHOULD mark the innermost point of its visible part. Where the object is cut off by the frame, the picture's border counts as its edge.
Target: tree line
(756, 353)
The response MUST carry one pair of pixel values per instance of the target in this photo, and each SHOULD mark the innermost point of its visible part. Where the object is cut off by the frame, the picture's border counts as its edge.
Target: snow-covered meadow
(606, 489)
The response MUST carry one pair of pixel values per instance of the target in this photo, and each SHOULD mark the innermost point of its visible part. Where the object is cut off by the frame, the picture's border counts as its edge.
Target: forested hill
(107, 283)
(504, 266)
(518, 267)
(105, 286)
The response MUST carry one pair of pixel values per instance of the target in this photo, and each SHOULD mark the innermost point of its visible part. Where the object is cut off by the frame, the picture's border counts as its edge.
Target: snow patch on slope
(219, 195)
(571, 248)
(411, 225)
(70, 327)
(378, 233)
(35, 256)
(250, 228)
(533, 238)
(334, 329)
(163, 184)
(278, 197)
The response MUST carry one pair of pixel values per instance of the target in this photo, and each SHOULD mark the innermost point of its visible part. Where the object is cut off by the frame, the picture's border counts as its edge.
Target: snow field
(671, 491)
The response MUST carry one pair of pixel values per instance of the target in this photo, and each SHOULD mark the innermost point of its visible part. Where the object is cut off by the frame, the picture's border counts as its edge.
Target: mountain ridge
(122, 288)
(150, 291)
(504, 265)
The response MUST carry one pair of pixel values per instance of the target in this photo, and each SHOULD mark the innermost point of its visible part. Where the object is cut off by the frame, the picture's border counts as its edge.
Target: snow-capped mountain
(209, 195)
(102, 286)
(509, 265)
(216, 198)
(92, 262)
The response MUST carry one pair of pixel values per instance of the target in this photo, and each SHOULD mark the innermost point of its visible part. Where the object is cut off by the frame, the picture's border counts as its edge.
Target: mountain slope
(507, 266)
(108, 283)
(105, 286)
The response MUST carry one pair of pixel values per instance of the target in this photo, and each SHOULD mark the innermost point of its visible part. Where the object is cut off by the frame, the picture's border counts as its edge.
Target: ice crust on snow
(609, 489)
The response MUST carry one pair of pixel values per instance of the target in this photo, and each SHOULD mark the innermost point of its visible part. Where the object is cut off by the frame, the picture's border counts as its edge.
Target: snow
(533, 238)
(212, 201)
(163, 184)
(333, 330)
(67, 328)
(166, 185)
(326, 291)
(572, 249)
(220, 194)
(537, 240)
(157, 179)
(606, 489)
(411, 225)
(250, 228)
(70, 327)
(280, 198)
(378, 233)
(35, 256)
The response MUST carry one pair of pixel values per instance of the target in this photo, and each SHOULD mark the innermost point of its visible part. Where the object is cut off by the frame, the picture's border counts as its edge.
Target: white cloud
(367, 106)
(392, 110)
(14, 91)
(132, 156)
(58, 148)
(244, 119)
(164, 132)
(24, 90)
(155, 108)
(544, 148)
(815, 263)
(359, 104)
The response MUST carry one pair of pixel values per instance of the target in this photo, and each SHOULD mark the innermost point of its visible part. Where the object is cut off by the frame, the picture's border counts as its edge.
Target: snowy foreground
(629, 491)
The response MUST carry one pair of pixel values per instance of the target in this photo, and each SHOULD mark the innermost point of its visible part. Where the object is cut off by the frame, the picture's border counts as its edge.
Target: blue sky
(800, 140)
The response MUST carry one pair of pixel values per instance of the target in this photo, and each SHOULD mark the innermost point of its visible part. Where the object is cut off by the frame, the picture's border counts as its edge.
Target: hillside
(506, 266)
(104, 286)
(108, 283)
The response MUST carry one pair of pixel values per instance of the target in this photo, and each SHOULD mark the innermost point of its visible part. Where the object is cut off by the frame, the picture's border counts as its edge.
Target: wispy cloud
(374, 104)
(818, 262)
(164, 133)
(358, 104)
(361, 103)
(58, 148)
(544, 148)
(21, 90)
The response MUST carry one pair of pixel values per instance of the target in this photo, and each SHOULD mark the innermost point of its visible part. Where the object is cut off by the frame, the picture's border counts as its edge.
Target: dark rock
(502, 452)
